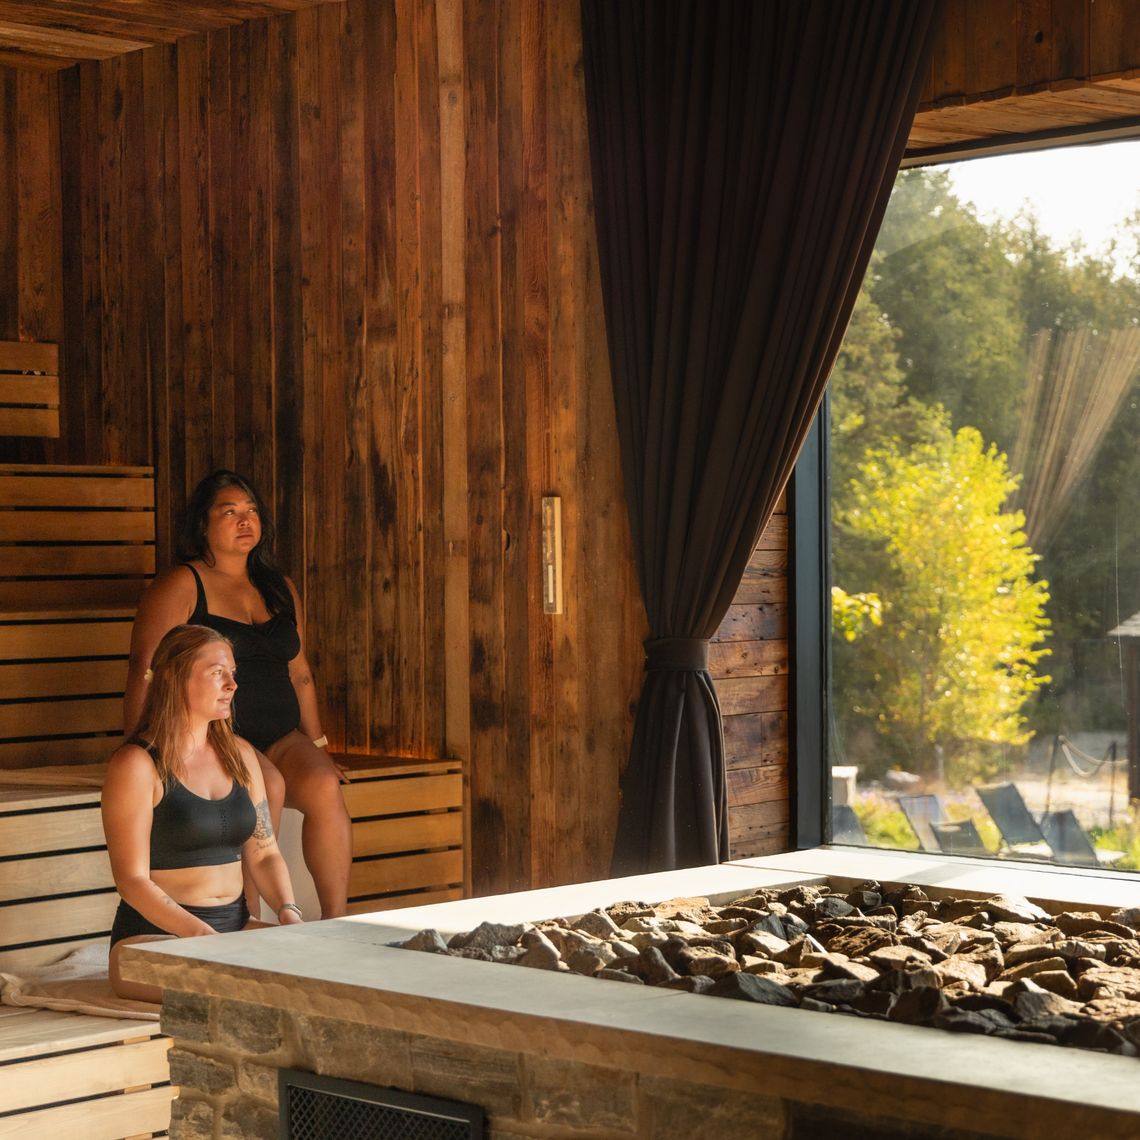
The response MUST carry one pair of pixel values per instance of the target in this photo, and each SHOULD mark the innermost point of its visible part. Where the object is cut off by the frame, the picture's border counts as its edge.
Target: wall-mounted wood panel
(749, 661)
(349, 251)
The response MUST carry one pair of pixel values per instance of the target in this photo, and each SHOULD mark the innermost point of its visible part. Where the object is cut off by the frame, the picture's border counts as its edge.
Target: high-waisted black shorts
(224, 918)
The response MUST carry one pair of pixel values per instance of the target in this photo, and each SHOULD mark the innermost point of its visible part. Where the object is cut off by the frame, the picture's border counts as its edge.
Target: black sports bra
(190, 831)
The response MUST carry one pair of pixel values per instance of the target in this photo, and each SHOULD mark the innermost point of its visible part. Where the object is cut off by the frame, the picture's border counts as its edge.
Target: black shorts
(224, 919)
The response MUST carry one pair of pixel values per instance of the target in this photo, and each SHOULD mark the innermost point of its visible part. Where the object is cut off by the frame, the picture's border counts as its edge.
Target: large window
(985, 515)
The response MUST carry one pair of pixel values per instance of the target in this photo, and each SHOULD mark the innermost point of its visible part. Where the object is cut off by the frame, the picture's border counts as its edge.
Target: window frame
(809, 543)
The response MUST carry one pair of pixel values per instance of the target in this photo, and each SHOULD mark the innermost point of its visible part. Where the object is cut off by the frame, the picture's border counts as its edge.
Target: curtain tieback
(687, 653)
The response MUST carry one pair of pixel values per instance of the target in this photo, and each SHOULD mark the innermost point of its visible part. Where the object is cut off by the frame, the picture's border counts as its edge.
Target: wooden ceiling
(961, 127)
(49, 35)
(1004, 71)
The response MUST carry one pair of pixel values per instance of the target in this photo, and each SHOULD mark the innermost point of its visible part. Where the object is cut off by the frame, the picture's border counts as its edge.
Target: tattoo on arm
(263, 828)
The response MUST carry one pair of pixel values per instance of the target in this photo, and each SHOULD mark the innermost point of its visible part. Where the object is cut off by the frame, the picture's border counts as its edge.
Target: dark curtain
(743, 154)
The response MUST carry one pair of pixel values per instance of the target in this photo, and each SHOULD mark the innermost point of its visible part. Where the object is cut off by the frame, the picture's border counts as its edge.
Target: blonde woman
(183, 804)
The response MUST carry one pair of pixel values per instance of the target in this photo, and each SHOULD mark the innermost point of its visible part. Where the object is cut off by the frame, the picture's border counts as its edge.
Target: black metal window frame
(809, 558)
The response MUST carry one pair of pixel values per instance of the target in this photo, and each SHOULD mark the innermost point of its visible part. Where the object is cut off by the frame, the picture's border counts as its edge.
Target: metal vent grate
(327, 1108)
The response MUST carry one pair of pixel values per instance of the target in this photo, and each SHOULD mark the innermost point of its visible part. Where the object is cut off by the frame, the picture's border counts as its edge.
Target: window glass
(985, 515)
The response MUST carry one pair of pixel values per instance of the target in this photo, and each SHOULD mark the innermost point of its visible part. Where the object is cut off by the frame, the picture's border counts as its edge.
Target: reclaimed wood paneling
(349, 251)
(748, 660)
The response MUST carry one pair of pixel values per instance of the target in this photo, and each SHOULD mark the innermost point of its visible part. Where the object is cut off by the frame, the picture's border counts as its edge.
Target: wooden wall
(349, 251)
(748, 660)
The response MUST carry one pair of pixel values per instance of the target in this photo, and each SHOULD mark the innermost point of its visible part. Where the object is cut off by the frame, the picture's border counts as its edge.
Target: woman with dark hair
(229, 580)
(184, 806)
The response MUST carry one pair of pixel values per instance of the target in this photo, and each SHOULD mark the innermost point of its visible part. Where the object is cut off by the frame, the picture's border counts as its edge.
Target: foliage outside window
(985, 539)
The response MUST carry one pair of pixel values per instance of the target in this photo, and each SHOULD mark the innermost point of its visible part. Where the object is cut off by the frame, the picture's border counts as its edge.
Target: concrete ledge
(344, 969)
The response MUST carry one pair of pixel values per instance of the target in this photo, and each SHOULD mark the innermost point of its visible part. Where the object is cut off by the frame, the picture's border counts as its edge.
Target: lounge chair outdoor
(1020, 833)
(959, 838)
(845, 826)
(1071, 843)
(921, 811)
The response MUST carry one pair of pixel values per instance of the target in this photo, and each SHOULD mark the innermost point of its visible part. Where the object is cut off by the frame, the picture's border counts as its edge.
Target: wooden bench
(29, 389)
(65, 1073)
(76, 550)
(407, 832)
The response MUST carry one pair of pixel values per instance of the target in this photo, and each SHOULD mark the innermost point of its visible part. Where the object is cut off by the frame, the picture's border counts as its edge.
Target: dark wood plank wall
(349, 251)
(748, 659)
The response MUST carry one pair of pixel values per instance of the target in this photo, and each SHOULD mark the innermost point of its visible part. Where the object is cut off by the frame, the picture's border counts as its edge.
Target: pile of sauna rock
(1001, 966)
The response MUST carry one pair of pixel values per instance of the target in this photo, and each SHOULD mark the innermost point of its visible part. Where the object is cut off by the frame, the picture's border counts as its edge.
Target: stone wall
(227, 1053)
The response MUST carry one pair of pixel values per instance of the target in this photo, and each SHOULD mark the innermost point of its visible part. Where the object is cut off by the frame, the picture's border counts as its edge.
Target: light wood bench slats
(407, 833)
(42, 832)
(107, 1118)
(76, 550)
(54, 875)
(407, 830)
(89, 1073)
(29, 404)
(20, 389)
(40, 422)
(20, 641)
(420, 898)
(63, 678)
(65, 750)
(75, 561)
(40, 485)
(48, 822)
(43, 597)
(96, 714)
(78, 526)
(26, 1032)
(48, 919)
(406, 873)
(28, 356)
(415, 793)
(19, 791)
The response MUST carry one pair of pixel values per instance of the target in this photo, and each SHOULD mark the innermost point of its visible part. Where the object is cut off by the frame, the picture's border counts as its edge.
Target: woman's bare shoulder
(173, 589)
(129, 763)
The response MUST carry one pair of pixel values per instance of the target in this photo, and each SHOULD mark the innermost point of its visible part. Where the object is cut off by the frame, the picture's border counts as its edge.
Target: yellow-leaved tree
(953, 660)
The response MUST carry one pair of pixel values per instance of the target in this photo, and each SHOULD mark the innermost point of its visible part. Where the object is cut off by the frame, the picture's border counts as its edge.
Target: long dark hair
(262, 567)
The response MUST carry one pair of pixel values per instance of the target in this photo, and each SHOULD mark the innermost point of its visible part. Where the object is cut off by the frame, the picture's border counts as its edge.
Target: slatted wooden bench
(407, 831)
(65, 1073)
(29, 389)
(76, 550)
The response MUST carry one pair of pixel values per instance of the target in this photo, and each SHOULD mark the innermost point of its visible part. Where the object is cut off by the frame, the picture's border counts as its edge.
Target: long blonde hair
(165, 713)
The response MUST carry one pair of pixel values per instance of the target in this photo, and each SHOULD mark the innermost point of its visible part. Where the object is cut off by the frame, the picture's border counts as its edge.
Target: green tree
(953, 662)
(949, 284)
(870, 403)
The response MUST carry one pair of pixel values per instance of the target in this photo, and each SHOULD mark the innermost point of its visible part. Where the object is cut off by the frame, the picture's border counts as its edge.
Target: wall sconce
(551, 554)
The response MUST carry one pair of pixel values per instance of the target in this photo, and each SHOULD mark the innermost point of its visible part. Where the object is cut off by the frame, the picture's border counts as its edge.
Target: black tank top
(189, 831)
(265, 703)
